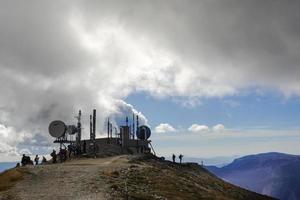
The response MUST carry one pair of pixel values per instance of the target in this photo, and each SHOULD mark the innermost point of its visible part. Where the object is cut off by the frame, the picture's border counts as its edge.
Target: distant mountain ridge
(274, 174)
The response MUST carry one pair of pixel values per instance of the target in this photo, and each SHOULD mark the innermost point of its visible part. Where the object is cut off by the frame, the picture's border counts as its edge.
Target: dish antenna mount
(57, 129)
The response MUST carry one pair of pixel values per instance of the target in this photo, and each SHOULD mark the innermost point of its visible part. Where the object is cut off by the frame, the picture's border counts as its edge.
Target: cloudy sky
(211, 77)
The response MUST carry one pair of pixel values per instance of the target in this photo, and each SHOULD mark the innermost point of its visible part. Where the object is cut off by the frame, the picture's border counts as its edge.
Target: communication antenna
(91, 127)
(61, 131)
(94, 123)
(137, 124)
(133, 128)
(108, 126)
(78, 138)
(143, 133)
(57, 129)
(94, 131)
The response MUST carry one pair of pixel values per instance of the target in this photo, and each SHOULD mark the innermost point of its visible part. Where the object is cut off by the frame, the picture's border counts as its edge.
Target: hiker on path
(26, 160)
(180, 158)
(71, 149)
(173, 158)
(36, 160)
(62, 155)
(54, 156)
(44, 160)
(23, 161)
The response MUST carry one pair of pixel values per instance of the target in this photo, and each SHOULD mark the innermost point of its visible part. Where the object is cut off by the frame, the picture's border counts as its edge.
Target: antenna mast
(133, 128)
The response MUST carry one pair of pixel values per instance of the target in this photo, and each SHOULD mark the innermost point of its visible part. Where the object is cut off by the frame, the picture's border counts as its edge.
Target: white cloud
(199, 128)
(219, 128)
(9, 140)
(164, 128)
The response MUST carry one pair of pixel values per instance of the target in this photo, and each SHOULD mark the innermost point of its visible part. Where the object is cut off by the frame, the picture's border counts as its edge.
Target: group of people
(62, 155)
(26, 160)
(174, 158)
(63, 152)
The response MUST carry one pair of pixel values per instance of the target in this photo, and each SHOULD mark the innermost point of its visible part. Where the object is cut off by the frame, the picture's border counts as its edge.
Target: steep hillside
(273, 174)
(120, 177)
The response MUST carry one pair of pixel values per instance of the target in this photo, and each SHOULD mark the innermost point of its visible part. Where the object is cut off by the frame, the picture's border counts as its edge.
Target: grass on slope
(9, 177)
(154, 179)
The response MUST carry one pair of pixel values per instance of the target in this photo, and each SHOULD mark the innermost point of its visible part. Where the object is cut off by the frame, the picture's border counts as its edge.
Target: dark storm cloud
(228, 45)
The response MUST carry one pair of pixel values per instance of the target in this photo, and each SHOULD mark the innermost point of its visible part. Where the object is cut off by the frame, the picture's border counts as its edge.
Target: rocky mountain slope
(274, 174)
(118, 177)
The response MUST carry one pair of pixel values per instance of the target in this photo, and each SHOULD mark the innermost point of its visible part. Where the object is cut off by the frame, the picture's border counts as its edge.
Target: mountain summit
(118, 177)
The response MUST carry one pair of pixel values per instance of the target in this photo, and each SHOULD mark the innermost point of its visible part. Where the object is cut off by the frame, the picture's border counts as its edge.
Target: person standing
(44, 160)
(180, 158)
(23, 161)
(54, 156)
(36, 160)
(173, 158)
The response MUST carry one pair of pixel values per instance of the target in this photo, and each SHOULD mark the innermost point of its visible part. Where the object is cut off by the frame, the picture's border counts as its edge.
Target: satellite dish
(57, 128)
(72, 129)
(143, 132)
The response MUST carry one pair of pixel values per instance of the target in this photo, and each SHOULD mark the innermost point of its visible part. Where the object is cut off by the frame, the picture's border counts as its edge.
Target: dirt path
(75, 179)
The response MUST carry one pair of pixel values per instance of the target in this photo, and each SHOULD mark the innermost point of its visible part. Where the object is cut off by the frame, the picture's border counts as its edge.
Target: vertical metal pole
(108, 124)
(110, 127)
(137, 128)
(94, 130)
(79, 126)
(78, 138)
(133, 128)
(94, 123)
(91, 128)
(137, 123)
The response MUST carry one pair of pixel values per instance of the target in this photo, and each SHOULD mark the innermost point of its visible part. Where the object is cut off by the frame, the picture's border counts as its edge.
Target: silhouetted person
(44, 160)
(23, 161)
(173, 158)
(26, 160)
(62, 155)
(180, 157)
(36, 160)
(71, 149)
(54, 156)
